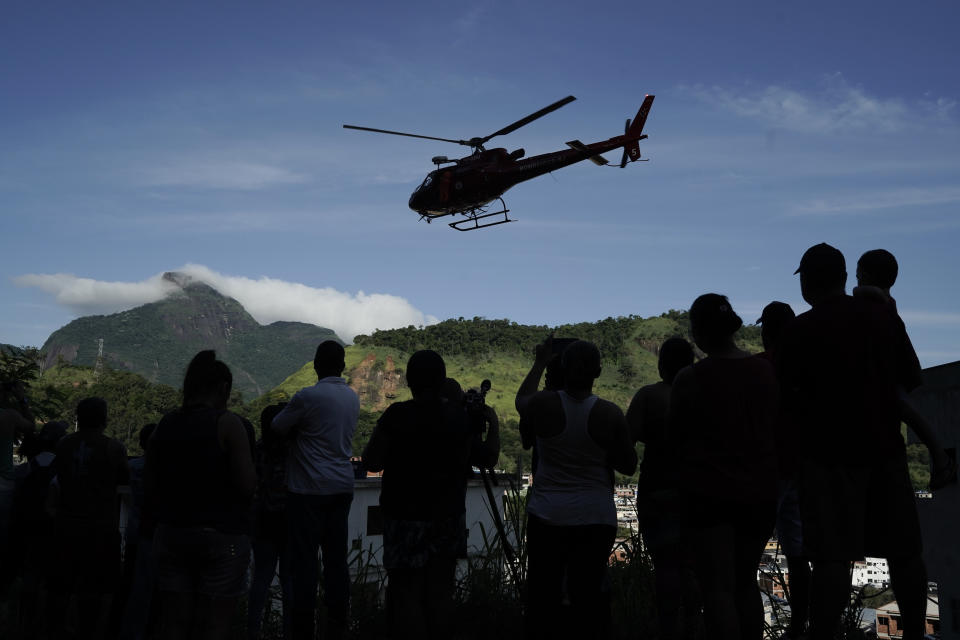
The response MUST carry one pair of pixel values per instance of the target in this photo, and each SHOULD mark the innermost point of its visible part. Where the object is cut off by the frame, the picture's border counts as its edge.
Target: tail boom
(634, 133)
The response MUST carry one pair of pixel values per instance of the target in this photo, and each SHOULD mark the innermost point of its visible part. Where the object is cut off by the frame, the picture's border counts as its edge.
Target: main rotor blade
(530, 118)
(409, 135)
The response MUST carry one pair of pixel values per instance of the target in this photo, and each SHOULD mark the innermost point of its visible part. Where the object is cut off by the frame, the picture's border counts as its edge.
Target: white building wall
(872, 571)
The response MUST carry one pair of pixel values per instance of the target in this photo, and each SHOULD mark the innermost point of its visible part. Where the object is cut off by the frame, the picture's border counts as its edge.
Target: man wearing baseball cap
(841, 365)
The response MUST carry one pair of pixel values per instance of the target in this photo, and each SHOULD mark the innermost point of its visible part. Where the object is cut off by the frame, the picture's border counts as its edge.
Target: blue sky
(137, 138)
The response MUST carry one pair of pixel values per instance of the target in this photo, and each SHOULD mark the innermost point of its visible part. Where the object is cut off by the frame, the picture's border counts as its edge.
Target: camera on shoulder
(475, 403)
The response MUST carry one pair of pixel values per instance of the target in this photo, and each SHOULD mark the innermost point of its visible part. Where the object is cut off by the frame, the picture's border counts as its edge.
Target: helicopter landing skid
(474, 216)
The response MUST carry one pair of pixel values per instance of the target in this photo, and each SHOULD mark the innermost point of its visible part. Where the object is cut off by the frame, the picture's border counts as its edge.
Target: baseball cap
(822, 260)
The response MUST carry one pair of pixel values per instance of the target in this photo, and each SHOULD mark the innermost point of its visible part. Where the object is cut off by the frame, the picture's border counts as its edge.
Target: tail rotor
(626, 155)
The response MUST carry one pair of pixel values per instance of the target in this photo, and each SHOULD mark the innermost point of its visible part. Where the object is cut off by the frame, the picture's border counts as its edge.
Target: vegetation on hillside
(474, 349)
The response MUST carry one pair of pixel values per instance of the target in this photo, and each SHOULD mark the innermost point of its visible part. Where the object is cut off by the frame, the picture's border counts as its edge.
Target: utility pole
(98, 367)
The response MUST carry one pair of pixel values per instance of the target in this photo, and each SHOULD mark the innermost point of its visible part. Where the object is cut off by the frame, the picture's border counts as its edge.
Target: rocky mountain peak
(178, 278)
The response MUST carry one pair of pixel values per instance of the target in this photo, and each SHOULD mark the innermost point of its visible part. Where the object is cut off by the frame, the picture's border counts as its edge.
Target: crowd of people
(803, 438)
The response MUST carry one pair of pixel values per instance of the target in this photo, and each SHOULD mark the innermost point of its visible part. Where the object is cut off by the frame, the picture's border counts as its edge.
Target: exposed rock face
(157, 340)
(376, 383)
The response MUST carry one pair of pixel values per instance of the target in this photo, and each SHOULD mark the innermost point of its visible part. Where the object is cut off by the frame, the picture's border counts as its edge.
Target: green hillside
(501, 351)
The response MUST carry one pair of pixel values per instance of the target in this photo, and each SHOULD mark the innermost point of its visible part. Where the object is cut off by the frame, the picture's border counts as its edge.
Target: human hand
(543, 352)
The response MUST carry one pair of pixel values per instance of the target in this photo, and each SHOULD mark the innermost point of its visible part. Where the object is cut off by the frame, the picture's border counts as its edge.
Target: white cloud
(266, 299)
(834, 106)
(221, 175)
(931, 319)
(85, 296)
(880, 199)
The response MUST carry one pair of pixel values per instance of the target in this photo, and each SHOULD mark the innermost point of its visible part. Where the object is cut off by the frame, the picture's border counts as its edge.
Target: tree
(22, 366)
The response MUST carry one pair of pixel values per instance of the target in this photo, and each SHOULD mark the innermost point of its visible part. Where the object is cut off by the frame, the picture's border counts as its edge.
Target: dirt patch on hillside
(376, 383)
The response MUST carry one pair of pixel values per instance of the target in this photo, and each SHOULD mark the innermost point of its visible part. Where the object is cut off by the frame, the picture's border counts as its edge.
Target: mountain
(157, 340)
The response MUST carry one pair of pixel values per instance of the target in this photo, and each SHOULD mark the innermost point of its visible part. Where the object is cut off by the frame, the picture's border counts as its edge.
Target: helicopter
(467, 186)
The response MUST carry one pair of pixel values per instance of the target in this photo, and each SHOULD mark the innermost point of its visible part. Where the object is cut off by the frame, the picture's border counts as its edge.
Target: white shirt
(323, 418)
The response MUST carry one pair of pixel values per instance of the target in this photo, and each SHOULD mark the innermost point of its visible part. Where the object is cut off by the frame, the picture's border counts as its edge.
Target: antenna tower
(98, 367)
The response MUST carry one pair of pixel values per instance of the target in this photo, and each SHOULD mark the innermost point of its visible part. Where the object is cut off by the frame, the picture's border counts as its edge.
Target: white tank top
(574, 483)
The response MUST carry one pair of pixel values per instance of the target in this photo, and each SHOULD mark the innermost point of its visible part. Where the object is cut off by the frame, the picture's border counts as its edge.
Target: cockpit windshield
(426, 182)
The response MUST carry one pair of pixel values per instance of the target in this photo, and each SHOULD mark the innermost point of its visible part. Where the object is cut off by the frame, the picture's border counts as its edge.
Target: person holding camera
(425, 448)
(571, 516)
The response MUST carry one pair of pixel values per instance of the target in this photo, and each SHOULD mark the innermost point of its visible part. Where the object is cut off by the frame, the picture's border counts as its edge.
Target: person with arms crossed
(320, 421)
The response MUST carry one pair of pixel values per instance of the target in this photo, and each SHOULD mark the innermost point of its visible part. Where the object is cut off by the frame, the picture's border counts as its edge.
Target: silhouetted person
(199, 479)
(723, 412)
(660, 515)
(320, 420)
(774, 318)
(32, 535)
(16, 421)
(89, 467)
(269, 524)
(571, 516)
(425, 448)
(876, 274)
(139, 551)
(841, 366)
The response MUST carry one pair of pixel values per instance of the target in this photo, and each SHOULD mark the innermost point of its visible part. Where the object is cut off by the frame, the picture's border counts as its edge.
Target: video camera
(475, 401)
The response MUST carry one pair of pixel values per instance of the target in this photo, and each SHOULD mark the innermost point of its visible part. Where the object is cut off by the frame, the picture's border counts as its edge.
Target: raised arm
(542, 353)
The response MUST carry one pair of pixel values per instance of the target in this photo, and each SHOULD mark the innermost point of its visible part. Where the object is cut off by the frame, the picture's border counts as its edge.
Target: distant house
(888, 620)
(871, 571)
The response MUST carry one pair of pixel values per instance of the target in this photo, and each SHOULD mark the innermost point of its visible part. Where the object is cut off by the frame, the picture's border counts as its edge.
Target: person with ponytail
(199, 481)
(722, 415)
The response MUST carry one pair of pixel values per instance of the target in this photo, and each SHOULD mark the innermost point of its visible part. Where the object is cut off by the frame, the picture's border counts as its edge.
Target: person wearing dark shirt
(199, 480)
(773, 319)
(33, 535)
(269, 522)
(16, 423)
(723, 412)
(89, 468)
(571, 515)
(139, 550)
(660, 519)
(841, 366)
(876, 274)
(425, 448)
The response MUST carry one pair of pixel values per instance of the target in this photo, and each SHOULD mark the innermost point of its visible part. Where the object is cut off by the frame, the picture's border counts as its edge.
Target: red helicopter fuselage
(478, 179)
(469, 183)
